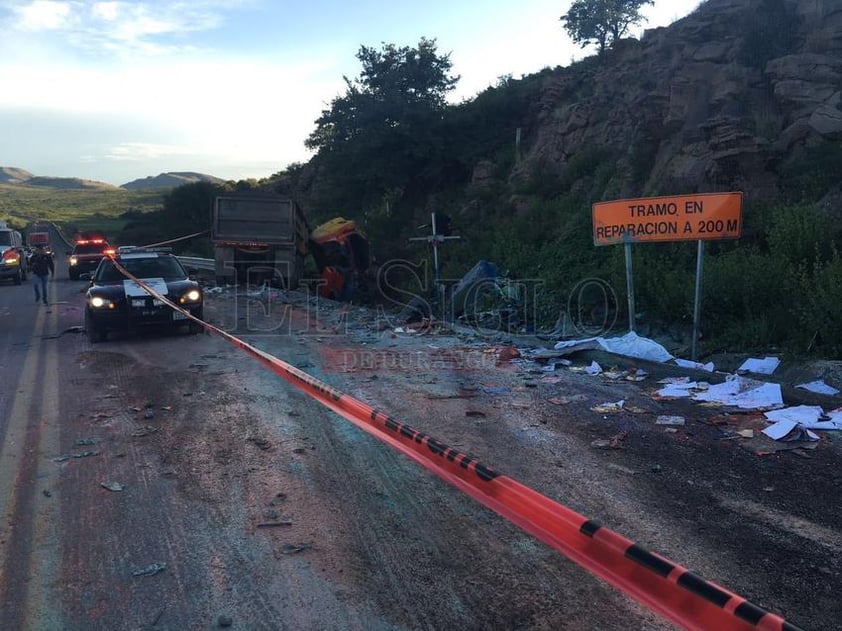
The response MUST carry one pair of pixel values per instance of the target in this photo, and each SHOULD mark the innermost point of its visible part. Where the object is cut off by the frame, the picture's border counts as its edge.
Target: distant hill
(65, 183)
(13, 175)
(170, 180)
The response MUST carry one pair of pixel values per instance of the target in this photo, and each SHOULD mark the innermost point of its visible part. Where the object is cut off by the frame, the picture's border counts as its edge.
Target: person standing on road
(41, 265)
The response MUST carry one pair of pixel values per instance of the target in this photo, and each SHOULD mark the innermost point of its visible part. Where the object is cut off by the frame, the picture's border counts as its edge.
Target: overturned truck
(342, 254)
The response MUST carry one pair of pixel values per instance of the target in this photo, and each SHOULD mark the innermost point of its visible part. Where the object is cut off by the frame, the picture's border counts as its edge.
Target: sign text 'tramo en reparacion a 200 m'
(702, 216)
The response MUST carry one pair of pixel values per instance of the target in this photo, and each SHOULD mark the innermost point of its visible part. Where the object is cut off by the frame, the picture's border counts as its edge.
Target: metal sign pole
(630, 284)
(697, 307)
(435, 245)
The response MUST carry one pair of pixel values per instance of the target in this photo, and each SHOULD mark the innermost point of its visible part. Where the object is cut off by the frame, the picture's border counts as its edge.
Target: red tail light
(109, 252)
(11, 255)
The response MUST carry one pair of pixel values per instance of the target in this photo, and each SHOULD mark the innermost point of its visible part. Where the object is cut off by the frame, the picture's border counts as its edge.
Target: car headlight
(194, 295)
(98, 302)
(73, 260)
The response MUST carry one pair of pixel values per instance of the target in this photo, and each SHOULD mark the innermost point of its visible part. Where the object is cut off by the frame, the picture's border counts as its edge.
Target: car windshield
(5, 237)
(167, 268)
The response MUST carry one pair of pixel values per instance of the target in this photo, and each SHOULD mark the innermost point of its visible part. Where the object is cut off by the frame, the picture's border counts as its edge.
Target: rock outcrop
(712, 102)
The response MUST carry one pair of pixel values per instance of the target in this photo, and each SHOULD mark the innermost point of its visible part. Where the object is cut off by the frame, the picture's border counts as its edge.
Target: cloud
(142, 151)
(118, 27)
(42, 15)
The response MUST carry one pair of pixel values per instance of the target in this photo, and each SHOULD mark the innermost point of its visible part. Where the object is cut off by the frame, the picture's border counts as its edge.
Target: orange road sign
(703, 216)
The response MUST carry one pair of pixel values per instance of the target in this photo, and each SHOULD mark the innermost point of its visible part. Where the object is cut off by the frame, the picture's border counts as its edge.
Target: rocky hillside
(170, 180)
(737, 95)
(13, 175)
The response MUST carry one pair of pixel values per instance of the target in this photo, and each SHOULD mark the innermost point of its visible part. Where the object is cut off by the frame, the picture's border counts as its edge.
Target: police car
(115, 302)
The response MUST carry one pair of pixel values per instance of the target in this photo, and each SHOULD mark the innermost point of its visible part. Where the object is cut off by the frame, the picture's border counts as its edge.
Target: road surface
(168, 482)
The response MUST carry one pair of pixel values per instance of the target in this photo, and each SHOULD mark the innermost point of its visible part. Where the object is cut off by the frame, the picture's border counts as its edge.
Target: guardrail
(197, 263)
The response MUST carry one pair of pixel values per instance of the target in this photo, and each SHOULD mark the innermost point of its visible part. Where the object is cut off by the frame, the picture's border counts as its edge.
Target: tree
(602, 21)
(382, 131)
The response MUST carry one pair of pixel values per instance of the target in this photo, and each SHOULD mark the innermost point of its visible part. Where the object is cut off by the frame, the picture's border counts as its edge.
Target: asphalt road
(165, 481)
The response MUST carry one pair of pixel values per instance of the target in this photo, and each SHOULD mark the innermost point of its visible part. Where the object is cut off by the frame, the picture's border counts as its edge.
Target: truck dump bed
(254, 220)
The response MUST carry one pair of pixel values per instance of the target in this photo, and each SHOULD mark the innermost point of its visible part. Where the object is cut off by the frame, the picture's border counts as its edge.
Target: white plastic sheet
(630, 345)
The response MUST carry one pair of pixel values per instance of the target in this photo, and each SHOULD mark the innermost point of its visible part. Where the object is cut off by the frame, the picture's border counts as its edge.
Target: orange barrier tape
(665, 587)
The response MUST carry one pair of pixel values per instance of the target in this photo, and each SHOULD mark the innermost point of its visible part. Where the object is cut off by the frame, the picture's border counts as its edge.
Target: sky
(116, 91)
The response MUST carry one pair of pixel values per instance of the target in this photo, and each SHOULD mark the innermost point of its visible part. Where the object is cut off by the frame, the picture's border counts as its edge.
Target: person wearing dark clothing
(41, 265)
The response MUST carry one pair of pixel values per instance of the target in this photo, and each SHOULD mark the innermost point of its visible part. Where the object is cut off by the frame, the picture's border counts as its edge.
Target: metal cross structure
(435, 240)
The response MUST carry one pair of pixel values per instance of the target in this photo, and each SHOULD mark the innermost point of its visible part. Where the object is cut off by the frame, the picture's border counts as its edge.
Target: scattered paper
(805, 414)
(764, 366)
(746, 433)
(743, 393)
(637, 374)
(678, 389)
(819, 387)
(686, 363)
(789, 431)
(810, 416)
(593, 369)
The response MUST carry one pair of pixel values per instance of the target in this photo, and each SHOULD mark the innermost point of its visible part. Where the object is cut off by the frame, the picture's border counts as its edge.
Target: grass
(84, 209)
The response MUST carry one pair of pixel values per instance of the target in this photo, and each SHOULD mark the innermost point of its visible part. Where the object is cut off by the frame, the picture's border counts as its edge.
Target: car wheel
(96, 333)
(74, 275)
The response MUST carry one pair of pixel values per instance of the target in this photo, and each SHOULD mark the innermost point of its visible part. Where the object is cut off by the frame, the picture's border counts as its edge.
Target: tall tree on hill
(382, 133)
(602, 22)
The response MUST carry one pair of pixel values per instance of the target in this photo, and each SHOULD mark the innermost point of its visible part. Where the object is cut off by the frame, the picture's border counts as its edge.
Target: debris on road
(609, 407)
(290, 548)
(630, 345)
(615, 442)
(112, 486)
(637, 374)
(85, 442)
(670, 420)
(274, 524)
(567, 399)
(507, 353)
(686, 363)
(225, 621)
(819, 387)
(765, 366)
(84, 454)
(150, 570)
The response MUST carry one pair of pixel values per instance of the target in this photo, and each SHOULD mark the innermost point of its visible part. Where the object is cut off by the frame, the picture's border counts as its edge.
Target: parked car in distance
(14, 263)
(86, 255)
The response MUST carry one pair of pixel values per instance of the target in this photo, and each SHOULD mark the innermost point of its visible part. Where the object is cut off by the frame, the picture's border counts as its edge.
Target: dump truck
(258, 238)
